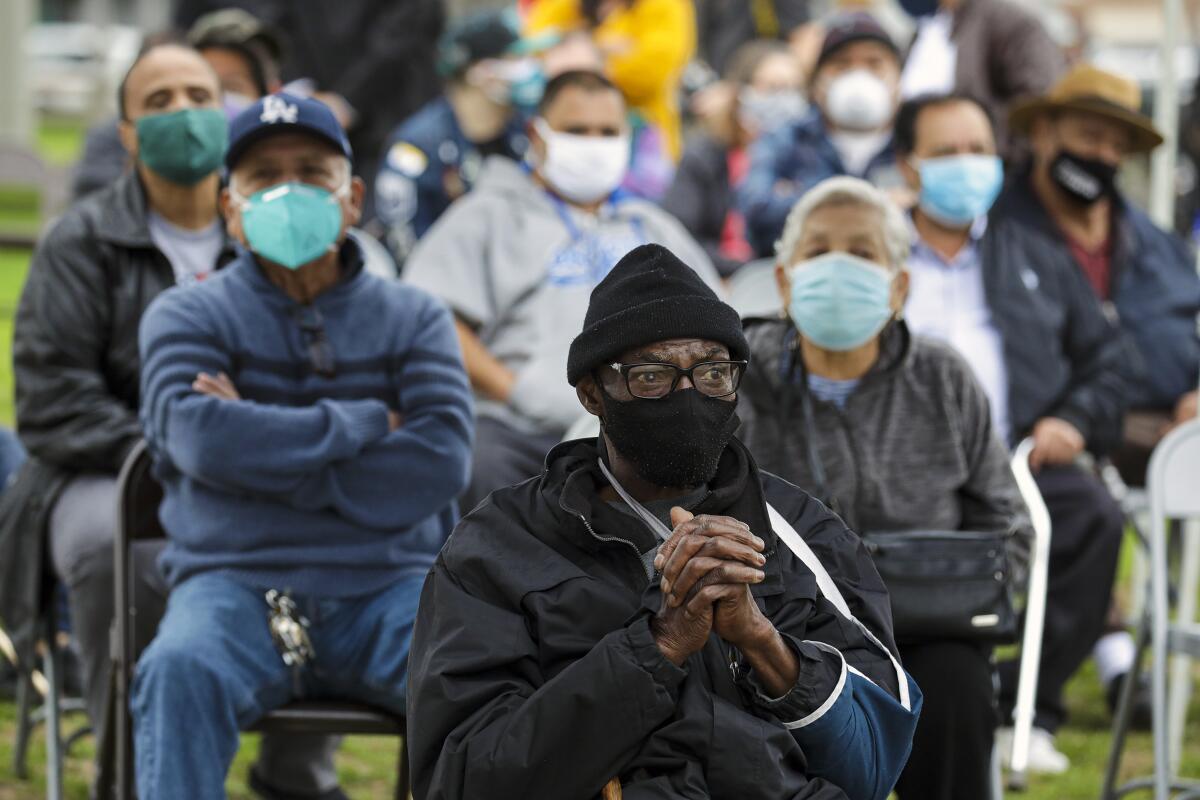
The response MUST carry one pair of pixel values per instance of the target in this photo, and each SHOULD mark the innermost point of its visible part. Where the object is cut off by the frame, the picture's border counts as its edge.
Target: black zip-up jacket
(1063, 356)
(534, 673)
(75, 362)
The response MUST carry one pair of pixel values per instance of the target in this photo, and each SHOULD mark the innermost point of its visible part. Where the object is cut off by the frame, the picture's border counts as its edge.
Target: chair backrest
(1173, 477)
(139, 496)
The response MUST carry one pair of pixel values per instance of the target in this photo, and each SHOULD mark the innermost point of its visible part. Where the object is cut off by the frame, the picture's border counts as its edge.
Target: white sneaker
(1044, 757)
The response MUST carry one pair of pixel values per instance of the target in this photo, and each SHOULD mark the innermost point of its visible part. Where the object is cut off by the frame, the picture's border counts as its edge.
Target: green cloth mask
(183, 146)
(292, 223)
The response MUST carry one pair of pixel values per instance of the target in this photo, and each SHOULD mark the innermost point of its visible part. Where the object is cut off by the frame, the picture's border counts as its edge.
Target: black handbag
(947, 584)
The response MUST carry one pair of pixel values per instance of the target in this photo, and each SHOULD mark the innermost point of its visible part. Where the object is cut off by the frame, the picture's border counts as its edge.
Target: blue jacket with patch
(1154, 286)
(785, 164)
(428, 163)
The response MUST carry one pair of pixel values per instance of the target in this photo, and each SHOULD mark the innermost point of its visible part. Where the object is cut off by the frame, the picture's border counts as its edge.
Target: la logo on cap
(276, 109)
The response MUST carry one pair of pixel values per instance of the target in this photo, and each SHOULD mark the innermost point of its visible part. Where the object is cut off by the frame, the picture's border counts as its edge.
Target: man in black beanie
(652, 610)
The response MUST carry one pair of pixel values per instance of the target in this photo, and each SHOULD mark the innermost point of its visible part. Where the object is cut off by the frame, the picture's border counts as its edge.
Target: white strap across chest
(787, 534)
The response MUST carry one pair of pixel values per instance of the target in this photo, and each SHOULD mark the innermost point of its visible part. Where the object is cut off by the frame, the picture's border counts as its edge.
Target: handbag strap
(787, 534)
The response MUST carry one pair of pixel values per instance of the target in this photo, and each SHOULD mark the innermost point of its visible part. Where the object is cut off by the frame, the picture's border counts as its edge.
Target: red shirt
(733, 233)
(1096, 264)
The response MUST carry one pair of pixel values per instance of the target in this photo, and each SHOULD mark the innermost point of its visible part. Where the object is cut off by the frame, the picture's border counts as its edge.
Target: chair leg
(106, 757)
(1179, 688)
(997, 778)
(1159, 610)
(24, 723)
(403, 789)
(1124, 712)
(54, 759)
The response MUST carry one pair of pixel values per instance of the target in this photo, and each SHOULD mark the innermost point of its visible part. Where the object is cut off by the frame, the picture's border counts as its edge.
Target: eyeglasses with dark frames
(320, 351)
(655, 381)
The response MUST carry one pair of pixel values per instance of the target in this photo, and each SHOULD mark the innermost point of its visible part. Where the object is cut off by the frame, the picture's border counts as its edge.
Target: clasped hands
(708, 566)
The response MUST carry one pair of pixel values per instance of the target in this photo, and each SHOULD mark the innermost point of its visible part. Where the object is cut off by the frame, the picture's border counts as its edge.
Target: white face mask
(583, 168)
(859, 100)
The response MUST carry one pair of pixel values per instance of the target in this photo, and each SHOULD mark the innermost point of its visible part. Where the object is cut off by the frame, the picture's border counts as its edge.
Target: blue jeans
(213, 669)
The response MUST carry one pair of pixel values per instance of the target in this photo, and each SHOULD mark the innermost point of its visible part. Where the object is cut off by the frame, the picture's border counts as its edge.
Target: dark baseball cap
(284, 112)
(484, 34)
(851, 28)
(234, 27)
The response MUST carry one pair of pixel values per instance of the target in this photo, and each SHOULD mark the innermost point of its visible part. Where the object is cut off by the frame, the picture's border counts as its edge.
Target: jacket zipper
(614, 539)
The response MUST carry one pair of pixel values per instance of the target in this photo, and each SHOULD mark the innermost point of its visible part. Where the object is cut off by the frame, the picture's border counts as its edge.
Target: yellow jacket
(647, 45)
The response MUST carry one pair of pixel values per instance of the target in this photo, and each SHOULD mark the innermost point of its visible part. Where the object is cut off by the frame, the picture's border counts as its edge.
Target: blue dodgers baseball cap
(284, 112)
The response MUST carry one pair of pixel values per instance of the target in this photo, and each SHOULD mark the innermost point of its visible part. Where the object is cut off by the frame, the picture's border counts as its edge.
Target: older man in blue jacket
(311, 425)
(1080, 133)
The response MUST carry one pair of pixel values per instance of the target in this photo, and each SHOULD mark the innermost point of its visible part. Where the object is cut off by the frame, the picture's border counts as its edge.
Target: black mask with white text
(673, 442)
(1085, 180)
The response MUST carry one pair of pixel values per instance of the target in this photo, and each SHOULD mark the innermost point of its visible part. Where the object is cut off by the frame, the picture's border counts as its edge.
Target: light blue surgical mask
(292, 224)
(957, 189)
(839, 301)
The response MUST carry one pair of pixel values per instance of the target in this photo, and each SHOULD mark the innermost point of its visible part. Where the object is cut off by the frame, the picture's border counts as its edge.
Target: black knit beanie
(651, 296)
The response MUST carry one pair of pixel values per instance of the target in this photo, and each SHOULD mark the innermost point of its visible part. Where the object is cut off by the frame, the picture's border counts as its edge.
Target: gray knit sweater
(914, 448)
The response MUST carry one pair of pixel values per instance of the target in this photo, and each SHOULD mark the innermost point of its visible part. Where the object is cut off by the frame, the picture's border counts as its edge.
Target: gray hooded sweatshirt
(518, 265)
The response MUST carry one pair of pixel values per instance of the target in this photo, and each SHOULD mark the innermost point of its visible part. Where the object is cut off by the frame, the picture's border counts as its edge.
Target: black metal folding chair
(46, 684)
(138, 498)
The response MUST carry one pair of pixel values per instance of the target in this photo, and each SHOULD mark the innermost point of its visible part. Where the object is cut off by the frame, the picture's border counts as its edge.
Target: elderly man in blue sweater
(311, 425)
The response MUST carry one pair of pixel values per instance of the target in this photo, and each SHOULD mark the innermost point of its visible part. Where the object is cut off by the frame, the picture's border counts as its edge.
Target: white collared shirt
(933, 58)
(946, 301)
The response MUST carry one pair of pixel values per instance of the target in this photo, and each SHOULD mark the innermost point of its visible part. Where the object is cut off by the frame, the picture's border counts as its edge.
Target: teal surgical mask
(957, 189)
(839, 301)
(292, 224)
(183, 146)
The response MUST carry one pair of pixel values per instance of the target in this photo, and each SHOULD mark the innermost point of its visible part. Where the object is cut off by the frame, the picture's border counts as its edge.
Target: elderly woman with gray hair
(892, 431)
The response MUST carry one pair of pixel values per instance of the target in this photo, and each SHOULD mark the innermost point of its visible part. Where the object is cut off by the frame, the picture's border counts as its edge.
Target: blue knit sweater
(299, 484)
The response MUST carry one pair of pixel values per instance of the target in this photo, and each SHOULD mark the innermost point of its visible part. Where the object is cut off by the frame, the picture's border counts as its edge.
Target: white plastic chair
(1035, 616)
(1173, 486)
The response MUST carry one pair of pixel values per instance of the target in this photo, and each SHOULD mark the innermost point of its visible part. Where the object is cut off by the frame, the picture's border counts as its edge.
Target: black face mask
(673, 442)
(1085, 180)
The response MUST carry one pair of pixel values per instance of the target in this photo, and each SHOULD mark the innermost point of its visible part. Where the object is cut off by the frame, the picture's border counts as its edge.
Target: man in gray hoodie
(516, 261)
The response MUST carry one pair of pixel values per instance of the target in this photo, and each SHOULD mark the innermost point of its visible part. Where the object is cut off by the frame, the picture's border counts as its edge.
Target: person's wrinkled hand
(395, 420)
(708, 566)
(1055, 442)
(707, 544)
(680, 631)
(219, 386)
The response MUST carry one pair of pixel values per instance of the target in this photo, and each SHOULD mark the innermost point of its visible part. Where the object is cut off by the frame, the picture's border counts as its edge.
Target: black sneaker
(268, 792)
(1143, 715)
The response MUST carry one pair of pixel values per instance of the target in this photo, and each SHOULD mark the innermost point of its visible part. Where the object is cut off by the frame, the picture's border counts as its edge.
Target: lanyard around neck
(654, 523)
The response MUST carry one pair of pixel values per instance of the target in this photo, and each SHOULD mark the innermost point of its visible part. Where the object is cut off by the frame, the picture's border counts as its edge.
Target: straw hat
(1086, 88)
